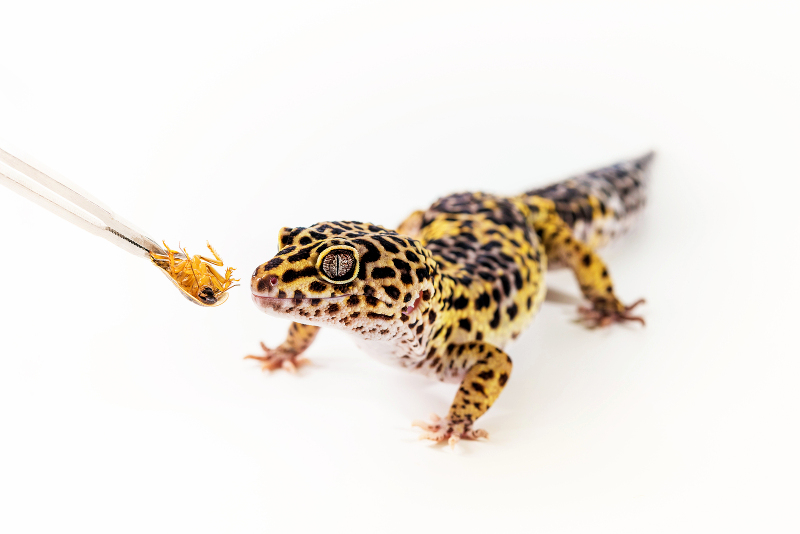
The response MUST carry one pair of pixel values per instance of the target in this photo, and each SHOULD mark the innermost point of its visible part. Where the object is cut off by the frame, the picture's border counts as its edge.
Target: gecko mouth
(259, 299)
(279, 303)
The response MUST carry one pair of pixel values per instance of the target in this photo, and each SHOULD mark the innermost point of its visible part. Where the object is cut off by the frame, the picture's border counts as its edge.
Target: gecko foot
(605, 313)
(443, 429)
(278, 358)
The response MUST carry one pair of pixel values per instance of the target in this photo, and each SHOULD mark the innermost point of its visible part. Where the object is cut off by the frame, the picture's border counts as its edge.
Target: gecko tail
(602, 204)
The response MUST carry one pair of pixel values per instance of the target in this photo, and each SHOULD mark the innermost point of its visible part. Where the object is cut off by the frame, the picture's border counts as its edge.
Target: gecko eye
(206, 295)
(338, 264)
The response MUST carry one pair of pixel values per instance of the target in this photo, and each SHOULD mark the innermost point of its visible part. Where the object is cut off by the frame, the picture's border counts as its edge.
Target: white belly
(400, 354)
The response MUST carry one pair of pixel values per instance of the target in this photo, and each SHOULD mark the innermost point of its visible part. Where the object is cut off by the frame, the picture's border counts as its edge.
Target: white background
(125, 409)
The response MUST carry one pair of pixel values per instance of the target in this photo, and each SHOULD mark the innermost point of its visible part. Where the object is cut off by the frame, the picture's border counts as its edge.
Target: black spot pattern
(473, 259)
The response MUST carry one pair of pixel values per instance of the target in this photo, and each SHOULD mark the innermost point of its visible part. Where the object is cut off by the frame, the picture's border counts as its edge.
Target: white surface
(123, 408)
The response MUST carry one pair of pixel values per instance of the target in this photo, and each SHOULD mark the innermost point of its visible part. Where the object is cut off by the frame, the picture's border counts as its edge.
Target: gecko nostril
(267, 283)
(261, 285)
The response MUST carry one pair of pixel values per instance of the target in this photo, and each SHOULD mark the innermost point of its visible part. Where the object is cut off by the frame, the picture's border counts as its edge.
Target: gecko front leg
(288, 355)
(481, 386)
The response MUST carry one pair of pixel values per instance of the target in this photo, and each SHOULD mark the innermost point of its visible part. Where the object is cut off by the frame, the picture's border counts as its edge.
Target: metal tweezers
(71, 203)
(75, 205)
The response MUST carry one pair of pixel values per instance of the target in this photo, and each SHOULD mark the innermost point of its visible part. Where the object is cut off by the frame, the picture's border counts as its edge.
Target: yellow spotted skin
(444, 293)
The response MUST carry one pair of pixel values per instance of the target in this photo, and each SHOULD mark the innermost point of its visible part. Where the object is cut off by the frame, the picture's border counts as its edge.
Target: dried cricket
(195, 276)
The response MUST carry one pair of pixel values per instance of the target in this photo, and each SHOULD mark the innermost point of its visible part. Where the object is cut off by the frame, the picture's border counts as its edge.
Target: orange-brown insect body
(195, 274)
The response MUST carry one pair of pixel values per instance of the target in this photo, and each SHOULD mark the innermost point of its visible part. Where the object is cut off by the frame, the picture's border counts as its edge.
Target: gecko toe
(606, 313)
(444, 430)
(274, 359)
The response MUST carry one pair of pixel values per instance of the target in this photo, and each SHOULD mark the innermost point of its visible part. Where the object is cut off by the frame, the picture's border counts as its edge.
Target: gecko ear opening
(338, 264)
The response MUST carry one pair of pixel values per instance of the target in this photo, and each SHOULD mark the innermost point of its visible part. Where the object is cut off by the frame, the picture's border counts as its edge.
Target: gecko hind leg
(598, 317)
(561, 246)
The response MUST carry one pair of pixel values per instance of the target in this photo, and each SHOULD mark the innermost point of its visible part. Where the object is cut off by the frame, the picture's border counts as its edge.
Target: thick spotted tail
(600, 205)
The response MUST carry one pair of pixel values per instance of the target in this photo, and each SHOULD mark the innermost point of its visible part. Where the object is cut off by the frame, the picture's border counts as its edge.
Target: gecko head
(349, 275)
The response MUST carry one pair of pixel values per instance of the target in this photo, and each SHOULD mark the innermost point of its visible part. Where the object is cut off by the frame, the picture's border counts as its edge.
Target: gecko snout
(264, 284)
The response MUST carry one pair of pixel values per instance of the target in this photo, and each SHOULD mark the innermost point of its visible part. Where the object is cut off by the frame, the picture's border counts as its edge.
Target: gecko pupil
(338, 266)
